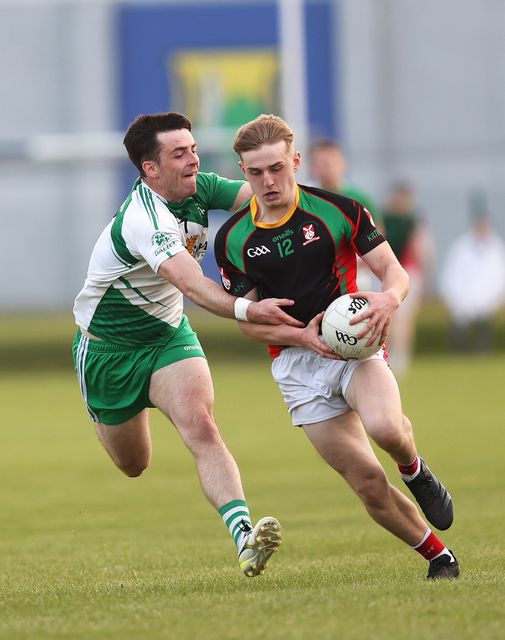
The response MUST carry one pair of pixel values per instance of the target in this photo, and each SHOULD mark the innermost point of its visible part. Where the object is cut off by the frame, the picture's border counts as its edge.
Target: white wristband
(240, 308)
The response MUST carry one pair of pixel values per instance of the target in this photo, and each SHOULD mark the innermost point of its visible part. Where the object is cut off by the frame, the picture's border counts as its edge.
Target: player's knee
(202, 431)
(389, 433)
(373, 488)
(133, 468)
(407, 427)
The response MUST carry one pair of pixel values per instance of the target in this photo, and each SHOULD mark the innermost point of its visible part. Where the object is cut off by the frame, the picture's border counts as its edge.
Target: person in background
(328, 169)
(472, 283)
(412, 244)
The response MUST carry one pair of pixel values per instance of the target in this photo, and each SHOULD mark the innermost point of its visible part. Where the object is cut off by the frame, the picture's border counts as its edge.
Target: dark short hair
(141, 139)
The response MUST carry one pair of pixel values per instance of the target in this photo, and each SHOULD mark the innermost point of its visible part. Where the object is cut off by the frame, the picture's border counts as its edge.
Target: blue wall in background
(149, 34)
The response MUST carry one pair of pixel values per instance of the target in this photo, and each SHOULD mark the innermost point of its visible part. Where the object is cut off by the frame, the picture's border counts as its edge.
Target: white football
(340, 336)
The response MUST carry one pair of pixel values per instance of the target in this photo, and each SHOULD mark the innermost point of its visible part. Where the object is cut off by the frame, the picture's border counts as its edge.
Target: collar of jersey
(146, 186)
(279, 223)
(167, 203)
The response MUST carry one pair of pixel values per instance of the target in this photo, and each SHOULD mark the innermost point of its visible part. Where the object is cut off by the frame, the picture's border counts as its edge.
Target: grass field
(89, 553)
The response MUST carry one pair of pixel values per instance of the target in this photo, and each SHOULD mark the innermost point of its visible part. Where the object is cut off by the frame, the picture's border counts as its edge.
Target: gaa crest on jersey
(309, 233)
(224, 279)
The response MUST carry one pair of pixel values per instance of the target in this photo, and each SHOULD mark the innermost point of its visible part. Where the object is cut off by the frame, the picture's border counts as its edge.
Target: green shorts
(115, 379)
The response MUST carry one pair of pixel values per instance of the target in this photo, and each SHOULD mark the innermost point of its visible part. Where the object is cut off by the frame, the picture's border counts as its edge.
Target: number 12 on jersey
(285, 247)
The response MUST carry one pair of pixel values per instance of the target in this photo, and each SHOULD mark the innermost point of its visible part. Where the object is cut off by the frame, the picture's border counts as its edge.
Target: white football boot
(259, 545)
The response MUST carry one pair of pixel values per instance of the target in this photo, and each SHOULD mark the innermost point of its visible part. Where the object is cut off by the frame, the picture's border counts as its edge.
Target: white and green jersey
(123, 299)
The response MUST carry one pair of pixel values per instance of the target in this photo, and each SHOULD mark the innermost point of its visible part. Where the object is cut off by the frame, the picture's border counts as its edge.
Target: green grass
(88, 553)
(41, 341)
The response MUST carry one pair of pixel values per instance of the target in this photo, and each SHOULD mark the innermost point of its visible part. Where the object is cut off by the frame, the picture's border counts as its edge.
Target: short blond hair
(265, 129)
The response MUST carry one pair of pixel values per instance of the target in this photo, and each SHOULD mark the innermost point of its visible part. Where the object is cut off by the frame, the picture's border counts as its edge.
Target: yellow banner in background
(225, 88)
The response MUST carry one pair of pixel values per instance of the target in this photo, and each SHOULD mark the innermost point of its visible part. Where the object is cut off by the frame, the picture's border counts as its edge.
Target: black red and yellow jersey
(309, 255)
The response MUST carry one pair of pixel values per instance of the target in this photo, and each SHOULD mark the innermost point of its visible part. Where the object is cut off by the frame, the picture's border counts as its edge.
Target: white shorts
(314, 387)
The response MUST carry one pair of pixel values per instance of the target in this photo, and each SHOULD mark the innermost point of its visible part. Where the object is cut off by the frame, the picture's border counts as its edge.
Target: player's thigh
(183, 391)
(128, 443)
(344, 445)
(373, 393)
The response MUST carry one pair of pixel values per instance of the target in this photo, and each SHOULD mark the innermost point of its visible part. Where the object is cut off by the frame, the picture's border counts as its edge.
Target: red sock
(430, 546)
(409, 469)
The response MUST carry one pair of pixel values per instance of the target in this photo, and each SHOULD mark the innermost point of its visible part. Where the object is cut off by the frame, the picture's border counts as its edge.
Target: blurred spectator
(412, 244)
(328, 167)
(472, 283)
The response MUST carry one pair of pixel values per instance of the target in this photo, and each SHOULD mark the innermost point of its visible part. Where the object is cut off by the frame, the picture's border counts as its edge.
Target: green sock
(236, 517)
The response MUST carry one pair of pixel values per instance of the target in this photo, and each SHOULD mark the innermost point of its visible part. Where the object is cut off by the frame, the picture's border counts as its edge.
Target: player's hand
(310, 338)
(268, 311)
(383, 304)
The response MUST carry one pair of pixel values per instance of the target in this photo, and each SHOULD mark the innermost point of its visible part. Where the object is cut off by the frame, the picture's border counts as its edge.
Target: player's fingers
(285, 318)
(385, 332)
(362, 316)
(375, 335)
(359, 294)
(366, 329)
(325, 351)
(316, 320)
(283, 302)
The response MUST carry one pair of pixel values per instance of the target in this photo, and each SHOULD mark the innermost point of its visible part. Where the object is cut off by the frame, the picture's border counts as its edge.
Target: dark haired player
(135, 348)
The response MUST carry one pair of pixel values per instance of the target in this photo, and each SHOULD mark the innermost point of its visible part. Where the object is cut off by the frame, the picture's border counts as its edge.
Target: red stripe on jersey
(350, 282)
(350, 266)
(357, 225)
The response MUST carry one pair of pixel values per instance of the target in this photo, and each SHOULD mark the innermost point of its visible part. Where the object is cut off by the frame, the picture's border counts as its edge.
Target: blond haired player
(301, 242)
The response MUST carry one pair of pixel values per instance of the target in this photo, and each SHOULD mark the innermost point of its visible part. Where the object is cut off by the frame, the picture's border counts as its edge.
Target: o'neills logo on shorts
(192, 347)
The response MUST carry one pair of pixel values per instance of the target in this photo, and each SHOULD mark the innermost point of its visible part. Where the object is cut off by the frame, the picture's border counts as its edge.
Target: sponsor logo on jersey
(254, 252)
(224, 279)
(309, 233)
(163, 241)
(373, 235)
(283, 235)
(160, 238)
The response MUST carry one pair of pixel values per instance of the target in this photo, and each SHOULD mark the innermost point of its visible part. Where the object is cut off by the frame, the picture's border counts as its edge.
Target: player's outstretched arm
(186, 274)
